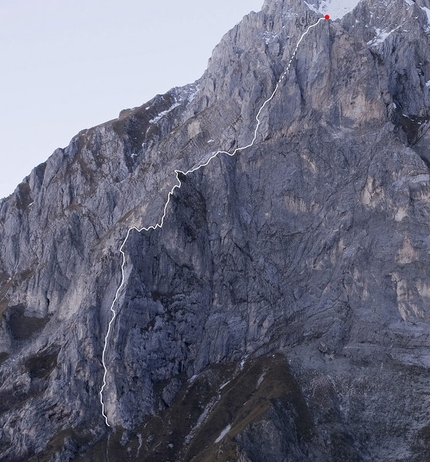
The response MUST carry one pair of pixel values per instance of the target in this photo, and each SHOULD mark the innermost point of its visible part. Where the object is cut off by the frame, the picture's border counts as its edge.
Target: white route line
(170, 194)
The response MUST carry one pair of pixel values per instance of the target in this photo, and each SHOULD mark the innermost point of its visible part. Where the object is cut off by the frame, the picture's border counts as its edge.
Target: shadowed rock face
(281, 313)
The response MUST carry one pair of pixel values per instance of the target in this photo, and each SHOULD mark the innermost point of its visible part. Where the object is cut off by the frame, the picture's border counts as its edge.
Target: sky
(67, 65)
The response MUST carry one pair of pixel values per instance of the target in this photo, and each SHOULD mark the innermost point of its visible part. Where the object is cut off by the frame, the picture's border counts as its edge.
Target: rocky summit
(271, 305)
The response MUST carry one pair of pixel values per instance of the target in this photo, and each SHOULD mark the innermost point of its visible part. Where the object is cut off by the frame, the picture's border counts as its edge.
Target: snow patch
(201, 419)
(428, 84)
(186, 93)
(335, 8)
(139, 437)
(223, 433)
(192, 93)
(224, 385)
(162, 114)
(260, 380)
(381, 36)
(427, 12)
(269, 36)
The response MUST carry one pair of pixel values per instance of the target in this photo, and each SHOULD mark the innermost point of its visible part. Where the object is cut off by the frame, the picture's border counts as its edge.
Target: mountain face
(281, 311)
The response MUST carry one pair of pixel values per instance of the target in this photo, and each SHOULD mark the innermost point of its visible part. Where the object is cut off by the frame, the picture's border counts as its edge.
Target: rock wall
(281, 312)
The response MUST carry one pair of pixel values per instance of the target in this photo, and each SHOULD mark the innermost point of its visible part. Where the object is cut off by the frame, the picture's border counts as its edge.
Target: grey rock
(281, 312)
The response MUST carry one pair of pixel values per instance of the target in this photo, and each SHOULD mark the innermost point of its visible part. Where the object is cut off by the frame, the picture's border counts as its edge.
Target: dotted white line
(170, 194)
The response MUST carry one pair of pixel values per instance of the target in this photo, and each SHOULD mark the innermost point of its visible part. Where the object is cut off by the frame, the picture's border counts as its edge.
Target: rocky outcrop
(281, 311)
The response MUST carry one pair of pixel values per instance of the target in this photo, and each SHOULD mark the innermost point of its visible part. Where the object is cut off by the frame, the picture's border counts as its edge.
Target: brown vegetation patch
(413, 126)
(263, 386)
(23, 196)
(246, 401)
(72, 438)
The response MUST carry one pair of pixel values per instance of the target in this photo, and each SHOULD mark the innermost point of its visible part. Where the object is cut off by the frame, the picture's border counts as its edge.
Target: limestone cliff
(282, 310)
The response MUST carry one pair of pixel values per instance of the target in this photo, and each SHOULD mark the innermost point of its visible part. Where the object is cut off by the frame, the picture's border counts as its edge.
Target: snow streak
(169, 196)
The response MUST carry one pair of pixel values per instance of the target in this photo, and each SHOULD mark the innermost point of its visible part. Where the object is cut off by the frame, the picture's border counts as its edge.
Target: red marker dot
(327, 17)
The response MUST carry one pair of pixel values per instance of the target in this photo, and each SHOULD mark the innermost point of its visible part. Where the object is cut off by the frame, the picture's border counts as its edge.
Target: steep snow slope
(335, 8)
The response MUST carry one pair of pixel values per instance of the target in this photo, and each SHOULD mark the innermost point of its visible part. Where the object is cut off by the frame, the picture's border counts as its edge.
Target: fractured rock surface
(281, 313)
